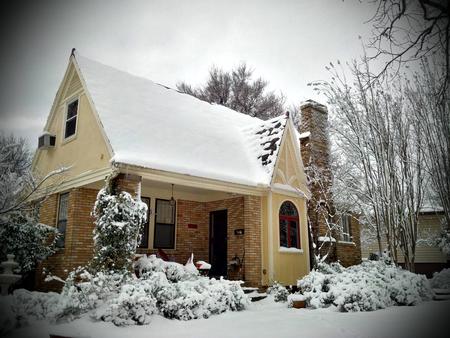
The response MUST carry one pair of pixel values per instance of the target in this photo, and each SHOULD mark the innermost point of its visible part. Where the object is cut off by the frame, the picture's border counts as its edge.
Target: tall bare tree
(407, 30)
(434, 116)
(376, 133)
(237, 90)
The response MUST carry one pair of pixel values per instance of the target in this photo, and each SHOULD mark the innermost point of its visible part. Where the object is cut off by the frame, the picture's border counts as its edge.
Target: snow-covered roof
(153, 126)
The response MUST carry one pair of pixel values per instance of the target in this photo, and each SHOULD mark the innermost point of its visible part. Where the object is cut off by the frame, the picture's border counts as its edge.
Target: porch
(219, 227)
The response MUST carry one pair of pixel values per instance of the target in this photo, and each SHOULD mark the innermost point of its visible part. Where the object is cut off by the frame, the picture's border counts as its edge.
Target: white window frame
(66, 110)
(346, 233)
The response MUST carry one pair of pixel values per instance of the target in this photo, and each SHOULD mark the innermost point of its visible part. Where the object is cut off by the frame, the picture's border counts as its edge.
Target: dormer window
(71, 119)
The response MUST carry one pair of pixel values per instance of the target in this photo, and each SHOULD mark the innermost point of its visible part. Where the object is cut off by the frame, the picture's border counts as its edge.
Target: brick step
(256, 296)
(248, 289)
(441, 297)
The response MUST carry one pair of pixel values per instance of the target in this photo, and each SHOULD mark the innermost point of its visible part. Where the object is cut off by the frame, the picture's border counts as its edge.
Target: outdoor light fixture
(172, 200)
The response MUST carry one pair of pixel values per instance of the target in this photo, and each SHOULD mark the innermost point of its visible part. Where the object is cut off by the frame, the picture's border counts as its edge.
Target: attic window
(71, 119)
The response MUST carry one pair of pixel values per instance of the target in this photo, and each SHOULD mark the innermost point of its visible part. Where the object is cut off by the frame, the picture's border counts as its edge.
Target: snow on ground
(269, 319)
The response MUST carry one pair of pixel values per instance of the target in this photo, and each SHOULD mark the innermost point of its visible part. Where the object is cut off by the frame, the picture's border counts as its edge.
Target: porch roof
(152, 126)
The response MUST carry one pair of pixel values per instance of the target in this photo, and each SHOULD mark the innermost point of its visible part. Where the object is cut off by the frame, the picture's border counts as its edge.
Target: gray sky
(287, 42)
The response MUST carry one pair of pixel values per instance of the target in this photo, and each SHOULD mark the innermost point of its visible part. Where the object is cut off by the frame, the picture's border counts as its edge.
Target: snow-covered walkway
(269, 319)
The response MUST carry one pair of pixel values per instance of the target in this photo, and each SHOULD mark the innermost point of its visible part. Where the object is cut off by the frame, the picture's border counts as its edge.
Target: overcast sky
(286, 42)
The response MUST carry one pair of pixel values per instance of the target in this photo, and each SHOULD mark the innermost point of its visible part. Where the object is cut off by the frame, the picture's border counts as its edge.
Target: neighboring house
(225, 186)
(429, 258)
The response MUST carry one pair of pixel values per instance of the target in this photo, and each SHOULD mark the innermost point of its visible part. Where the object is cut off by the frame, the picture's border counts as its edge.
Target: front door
(218, 243)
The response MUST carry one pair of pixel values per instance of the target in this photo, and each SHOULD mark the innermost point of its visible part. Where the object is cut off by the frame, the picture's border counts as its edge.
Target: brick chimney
(315, 150)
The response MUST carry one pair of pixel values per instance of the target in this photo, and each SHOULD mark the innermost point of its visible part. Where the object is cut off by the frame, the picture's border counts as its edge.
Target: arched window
(289, 226)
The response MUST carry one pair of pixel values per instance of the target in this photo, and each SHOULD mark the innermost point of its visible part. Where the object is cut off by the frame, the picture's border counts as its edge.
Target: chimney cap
(315, 105)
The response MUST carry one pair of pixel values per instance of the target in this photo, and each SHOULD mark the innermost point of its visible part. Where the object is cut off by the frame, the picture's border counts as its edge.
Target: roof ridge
(76, 55)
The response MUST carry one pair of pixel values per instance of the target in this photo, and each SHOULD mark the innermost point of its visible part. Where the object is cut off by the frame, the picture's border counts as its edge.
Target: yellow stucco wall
(289, 266)
(86, 150)
(288, 171)
(285, 267)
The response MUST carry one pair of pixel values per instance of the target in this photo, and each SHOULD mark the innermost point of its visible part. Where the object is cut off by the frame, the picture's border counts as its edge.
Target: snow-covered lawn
(269, 319)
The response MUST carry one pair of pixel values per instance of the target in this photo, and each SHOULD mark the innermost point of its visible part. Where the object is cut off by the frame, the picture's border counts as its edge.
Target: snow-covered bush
(200, 298)
(117, 230)
(279, 292)
(134, 304)
(84, 291)
(174, 272)
(20, 231)
(35, 305)
(18, 308)
(123, 300)
(29, 241)
(369, 286)
(441, 280)
(443, 242)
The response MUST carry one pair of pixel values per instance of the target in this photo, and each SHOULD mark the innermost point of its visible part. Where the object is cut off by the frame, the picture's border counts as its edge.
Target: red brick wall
(78, 246)
(243, 212)
(189, 240)
(350, 254)
(253, 227)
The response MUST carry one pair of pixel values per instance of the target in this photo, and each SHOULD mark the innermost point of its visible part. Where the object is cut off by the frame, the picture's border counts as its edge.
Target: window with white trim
(71, 119)
(164, 224)
(346, 228)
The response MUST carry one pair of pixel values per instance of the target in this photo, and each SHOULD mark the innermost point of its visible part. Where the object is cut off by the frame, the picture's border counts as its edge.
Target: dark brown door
(218, 243)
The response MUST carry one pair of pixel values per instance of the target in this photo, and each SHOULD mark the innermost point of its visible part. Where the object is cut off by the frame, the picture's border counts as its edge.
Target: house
(227, 187)
(428, 258)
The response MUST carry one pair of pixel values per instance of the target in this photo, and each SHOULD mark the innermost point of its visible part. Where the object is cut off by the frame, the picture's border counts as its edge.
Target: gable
(87, 150)
(130, 121)
(289, 169)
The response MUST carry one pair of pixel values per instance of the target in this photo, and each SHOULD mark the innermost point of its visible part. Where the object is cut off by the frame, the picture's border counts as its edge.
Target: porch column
(129, 183)
(252, 240)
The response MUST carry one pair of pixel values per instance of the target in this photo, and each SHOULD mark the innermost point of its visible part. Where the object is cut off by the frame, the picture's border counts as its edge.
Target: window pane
(62, 234)
(293, 234)
(70, 127)
(288, 209)
(164, 212)
(283, 233)
(63, 206)
(72, 109)
(164, 236)
(345, 223)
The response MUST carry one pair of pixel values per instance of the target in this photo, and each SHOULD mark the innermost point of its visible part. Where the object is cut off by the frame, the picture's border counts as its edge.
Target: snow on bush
(441, 280)
(443, 241)
(117, 230)
(200, 298)
(134, 304)
(174, 272)
(84, 291)
(369, 286)
(279, 292)
(29, 241)
(168, 289)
